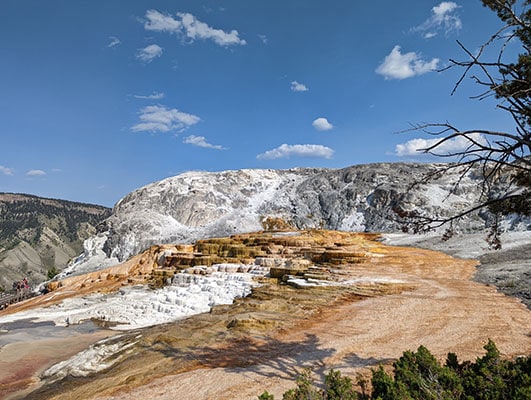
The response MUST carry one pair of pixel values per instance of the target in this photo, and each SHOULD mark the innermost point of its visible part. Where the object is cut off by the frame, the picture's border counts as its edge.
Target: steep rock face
(370, 197)
(377, 197)
(197, 205)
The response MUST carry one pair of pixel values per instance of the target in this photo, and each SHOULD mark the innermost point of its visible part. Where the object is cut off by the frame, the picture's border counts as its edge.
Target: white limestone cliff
(371, 197)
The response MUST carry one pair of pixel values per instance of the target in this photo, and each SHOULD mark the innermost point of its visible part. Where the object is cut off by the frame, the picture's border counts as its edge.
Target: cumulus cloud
(200, 141)
(6, 170)
(401, 66)
(35, 172)
(149, 53)
(297, 150)
(152, 96)
(443, 18)
(113, 41)
(298, 87)
(322, 124)
(458, 144)
(156, 21)
(161, 119)
(189, 27)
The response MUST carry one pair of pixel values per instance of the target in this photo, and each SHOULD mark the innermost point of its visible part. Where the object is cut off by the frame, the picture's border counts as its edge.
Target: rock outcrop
(371, 198)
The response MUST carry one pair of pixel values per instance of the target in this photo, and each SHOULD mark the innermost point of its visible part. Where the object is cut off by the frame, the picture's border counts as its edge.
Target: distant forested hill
(39, 234)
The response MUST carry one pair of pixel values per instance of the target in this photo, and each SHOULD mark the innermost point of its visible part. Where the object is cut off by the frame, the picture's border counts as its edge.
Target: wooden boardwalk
(7, 298)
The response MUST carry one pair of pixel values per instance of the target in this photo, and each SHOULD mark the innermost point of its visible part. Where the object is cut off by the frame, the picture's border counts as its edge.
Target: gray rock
(372, 197)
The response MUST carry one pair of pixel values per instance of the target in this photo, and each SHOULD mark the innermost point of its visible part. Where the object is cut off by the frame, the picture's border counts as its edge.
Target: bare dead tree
(504, 158)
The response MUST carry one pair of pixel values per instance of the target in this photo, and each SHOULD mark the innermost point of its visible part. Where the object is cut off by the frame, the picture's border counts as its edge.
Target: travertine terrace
(351, 303)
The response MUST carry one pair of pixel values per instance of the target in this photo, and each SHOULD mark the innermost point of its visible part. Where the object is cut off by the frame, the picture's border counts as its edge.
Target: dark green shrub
(305, 389)
(52, 272)
(266, 396)
(339, 387)
(419, 376)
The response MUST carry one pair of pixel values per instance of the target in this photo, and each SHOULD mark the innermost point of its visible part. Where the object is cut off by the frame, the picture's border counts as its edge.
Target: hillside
(38, 234)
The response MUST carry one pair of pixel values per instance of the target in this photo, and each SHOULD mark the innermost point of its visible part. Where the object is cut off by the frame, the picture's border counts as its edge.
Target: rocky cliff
(197, 205)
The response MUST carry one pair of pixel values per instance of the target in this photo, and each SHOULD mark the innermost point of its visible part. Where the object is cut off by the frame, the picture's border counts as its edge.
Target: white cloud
(298, 150)
(6, 170)
(415, 146)
(444, 8)
(298, 87)
(152, 96)
(200, 141)
(113, 41)
(190, 27)
(156, 21)
(149, 53)
(36, 172)
(443, 18)
(401, 66)
(196, 29)
(263, 38)
(161, 119)
(322, 124)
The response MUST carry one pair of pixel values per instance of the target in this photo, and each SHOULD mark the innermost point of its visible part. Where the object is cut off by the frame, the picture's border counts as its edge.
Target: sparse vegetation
(24, 217)
(418, 375)
(52, 272)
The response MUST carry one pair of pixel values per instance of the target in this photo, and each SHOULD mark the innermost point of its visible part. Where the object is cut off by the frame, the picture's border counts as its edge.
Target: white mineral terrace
(139, 306)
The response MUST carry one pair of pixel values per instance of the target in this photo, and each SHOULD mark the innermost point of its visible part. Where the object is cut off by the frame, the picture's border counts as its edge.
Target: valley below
(320, 300)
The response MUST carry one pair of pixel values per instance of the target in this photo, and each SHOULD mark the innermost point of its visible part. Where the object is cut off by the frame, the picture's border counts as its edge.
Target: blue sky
(100, 97)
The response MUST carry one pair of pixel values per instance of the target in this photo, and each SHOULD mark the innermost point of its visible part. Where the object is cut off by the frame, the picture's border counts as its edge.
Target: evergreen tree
(305, 389)
(419, 376)
(339, 387)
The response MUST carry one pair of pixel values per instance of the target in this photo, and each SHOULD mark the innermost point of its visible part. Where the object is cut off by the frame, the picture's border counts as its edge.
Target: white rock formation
(370, 197)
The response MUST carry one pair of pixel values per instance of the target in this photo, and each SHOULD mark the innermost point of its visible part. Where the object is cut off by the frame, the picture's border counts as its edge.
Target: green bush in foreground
(419, 376)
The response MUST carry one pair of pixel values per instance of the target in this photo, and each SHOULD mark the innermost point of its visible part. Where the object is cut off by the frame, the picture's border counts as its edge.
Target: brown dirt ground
(446, 312)
(441, 308)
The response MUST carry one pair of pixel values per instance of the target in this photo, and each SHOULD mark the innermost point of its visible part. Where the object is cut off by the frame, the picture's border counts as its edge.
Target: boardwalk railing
(7, 298)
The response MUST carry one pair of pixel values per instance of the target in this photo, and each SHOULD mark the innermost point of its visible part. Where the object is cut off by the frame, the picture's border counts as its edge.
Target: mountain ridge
(39, 234)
